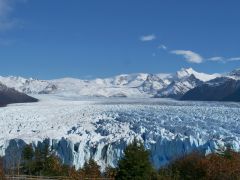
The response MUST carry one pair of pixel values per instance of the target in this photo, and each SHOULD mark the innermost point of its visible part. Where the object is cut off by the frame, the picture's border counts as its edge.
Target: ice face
(100, 128)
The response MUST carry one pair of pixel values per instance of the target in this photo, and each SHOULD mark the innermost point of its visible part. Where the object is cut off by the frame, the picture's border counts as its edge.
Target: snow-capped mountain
(126, 85)
(183, 81)
(235, 74)
(185, 73)
(28, 86)
(218, 89)
(179, 87)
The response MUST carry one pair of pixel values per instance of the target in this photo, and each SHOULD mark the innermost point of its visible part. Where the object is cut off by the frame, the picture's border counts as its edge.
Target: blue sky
(87, 39)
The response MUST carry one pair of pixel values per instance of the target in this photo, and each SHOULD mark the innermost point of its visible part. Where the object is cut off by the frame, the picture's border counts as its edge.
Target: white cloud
(223, 60)
(234, 59)
(149, 37)
(216, 58)
(189, 56)
(162, 46)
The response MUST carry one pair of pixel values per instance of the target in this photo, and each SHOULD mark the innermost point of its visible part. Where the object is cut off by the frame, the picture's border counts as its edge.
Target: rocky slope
(9, 96)
(28, 86)
(225, 88)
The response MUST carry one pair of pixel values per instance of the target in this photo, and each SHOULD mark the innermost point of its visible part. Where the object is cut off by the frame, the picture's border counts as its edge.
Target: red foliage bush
(219, 166)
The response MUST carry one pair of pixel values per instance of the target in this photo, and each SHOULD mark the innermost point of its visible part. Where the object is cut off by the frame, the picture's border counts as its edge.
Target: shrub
(91, 170)
(223, 166)
(187, 167)
(219, 166)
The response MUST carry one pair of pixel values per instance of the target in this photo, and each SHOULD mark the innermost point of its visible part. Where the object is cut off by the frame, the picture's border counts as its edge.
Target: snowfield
(100, 128)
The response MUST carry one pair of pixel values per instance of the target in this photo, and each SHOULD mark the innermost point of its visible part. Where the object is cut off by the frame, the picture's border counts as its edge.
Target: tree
(42, 162)
(92, 169)
(110, 173)
(1, 169)
(53, 167)
(38, 162)
(135, 163)
(28, 154)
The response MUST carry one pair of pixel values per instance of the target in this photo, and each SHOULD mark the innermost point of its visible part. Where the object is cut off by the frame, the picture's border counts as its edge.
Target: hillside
(226, 88)
(10, 95)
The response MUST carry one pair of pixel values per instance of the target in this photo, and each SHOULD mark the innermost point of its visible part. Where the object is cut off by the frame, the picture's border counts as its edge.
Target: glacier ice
(100, 128)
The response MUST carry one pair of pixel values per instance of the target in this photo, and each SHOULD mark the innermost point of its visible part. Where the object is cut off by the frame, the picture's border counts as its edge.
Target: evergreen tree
(28, 152)
(42, 162)
(1, 169)
(110, 172)
(45, 151)
(135, 164)
(53, 167)
(27, 156)
(92, 169)
(37, 162)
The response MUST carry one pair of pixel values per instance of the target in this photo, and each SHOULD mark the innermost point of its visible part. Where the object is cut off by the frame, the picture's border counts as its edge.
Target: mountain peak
(235, 72)
(187, 72)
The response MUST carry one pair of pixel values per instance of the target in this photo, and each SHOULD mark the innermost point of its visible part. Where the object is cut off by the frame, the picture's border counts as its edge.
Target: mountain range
(185, 84)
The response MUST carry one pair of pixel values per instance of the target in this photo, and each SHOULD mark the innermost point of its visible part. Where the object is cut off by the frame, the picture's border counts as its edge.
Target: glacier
(80, 128)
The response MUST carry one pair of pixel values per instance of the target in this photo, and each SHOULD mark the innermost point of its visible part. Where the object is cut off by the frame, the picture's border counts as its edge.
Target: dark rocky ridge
(219, 89)
(10, 95)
